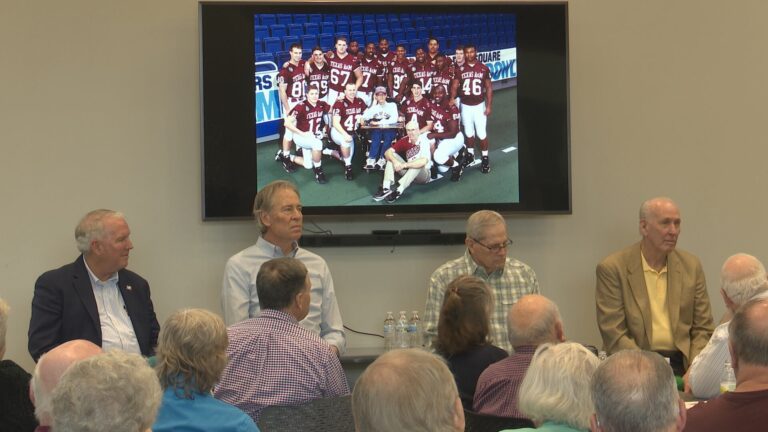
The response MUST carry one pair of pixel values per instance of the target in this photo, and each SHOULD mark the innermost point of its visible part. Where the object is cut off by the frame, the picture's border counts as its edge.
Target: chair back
(319, 415)
(476, 422)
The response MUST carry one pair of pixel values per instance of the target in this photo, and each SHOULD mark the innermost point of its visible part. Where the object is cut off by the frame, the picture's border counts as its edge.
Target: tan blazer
(624, 311)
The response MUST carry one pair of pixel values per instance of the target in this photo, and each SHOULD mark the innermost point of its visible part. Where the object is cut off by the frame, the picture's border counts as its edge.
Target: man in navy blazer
(95, 298)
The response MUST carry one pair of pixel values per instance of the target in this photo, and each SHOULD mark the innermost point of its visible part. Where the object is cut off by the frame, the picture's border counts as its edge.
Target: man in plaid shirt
(486, 258)
(272, 359)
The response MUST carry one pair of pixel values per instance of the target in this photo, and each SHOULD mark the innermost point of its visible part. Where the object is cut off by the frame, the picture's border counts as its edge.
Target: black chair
(319, 415)
(476, 422)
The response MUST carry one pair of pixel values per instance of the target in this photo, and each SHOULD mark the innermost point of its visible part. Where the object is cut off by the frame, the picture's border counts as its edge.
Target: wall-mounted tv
(506, 100)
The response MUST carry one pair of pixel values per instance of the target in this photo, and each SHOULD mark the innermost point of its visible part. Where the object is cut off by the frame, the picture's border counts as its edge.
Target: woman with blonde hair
(462, 333)
(191, 355)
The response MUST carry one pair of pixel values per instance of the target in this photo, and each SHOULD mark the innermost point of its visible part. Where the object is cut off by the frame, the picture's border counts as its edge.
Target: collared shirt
(508, 284)
(706, 371)
(116, 326)
(200, 413)
(656, 285)
(239, 300)
(497, 387)
(274, 361)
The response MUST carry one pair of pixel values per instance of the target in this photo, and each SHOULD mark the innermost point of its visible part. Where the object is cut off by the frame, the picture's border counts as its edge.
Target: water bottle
(389, 331)
(728, 379)
(401, 331)
(414, 330)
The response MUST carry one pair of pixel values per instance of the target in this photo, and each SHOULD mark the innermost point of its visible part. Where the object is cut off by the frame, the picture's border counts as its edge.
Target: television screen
(376, 109)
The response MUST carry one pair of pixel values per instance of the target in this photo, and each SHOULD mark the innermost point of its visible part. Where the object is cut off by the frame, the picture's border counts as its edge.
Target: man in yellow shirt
(652, 296)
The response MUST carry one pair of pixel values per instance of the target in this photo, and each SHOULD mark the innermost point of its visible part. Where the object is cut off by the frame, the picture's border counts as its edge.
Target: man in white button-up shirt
(95, 298)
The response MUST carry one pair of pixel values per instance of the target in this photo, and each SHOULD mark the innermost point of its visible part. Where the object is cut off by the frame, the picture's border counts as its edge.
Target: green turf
(501, 185)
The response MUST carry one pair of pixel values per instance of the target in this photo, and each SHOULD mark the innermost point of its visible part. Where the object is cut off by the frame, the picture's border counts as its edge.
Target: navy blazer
(64, 308)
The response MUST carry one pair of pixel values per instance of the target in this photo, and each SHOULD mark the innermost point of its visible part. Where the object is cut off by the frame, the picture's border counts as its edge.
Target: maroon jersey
(349, 111)
(444, 78)
(319, 76)
(386, 59)
(409, 151)
(472, 82)
(441, 116)
(293, 77)
(421, 111)
(399, 70)
(342, 70)
(372, 70)
(309, 118)
(422, 72)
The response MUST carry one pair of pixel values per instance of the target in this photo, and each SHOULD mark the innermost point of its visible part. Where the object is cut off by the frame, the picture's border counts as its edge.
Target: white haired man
(636, 391)
(407, 390)
(116, 392)
(652, 296)
(486, 257)
(532, 321)
(742, 278)
(95, 298)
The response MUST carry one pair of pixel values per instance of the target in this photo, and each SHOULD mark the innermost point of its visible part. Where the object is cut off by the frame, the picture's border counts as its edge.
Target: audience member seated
(191, 354)
(636, 391)
(115, 392)
(407, 390)
(746, 408)
(16, 410)
(555, 390)
(462, 333)
(272, 359)
(532, 321)
(741, 278)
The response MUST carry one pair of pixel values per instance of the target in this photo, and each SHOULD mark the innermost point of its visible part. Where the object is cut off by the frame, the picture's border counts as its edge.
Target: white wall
(99, 107)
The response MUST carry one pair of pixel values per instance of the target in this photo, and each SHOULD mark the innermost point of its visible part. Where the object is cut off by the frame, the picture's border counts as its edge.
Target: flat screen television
(524, 46)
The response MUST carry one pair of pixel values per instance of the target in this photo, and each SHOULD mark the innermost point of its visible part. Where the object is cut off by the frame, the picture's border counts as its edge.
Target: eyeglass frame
(494, 248)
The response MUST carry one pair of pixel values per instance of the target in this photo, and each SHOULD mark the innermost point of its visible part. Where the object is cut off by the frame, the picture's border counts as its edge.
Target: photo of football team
(364, 119)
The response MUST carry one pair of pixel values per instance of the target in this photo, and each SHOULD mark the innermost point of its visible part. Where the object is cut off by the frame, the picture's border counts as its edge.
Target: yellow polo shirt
(661, 330)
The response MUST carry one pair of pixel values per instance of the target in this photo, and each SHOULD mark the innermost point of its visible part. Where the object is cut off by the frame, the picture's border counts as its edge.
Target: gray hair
(526, 329)
(265, 198)
(115, 392)
(405, 390)
(635, 391)
(556, 385)
(479, 221)
(4, 309)
(279, 281)
(91, 227)
(747, 332)
(647, 206)
(743, 277)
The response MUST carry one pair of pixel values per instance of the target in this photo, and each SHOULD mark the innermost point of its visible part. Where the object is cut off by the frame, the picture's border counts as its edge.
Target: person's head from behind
(277, 209)
(407, 390)
(534, 320)
(636, 391)
(464, 316)
(741, 278)
(191, 351)
(556, 385)
(4, 309)
(49, 369)
(116, 392)
(748, 339)
(282, 284)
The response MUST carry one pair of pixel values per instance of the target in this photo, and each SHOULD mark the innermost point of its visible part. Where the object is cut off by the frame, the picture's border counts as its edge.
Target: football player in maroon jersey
(319, 73)
(306, 121)
(445, 132)
(345, 68)
(397, 75)
(290, 87)
(443, 74)
(434, 48)
(473, 84)
(421, 70)
(372, 70)
(347, 115)
(354, 49)
(417, 109)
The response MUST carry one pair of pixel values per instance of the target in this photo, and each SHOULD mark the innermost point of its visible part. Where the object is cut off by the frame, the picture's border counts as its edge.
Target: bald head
(748, 334)
(741, 278)
(534, 320)
(49, 370)
(654, 205)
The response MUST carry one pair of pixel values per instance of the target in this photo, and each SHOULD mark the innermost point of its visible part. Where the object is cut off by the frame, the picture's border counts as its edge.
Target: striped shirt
(508, 284)
(706, 371)
(497, 387)
(274, 361)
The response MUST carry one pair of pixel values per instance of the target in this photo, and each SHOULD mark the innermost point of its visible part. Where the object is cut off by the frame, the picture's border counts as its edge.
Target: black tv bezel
(229, 168)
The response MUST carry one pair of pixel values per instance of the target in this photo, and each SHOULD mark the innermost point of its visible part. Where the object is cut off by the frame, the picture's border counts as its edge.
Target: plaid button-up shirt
(498, 385)
(274, 361)
(508, 284)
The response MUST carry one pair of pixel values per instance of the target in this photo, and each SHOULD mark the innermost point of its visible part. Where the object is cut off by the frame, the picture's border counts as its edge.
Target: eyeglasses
(494, 248)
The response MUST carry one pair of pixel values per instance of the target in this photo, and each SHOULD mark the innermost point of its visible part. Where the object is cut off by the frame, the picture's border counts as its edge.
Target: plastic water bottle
(728, 380)
(414, 330)
(389, 331)
(401, 331)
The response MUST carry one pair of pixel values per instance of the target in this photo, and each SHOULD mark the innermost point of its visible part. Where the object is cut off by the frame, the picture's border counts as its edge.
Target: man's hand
(487, 110)
(335, 350)
(686, 385)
